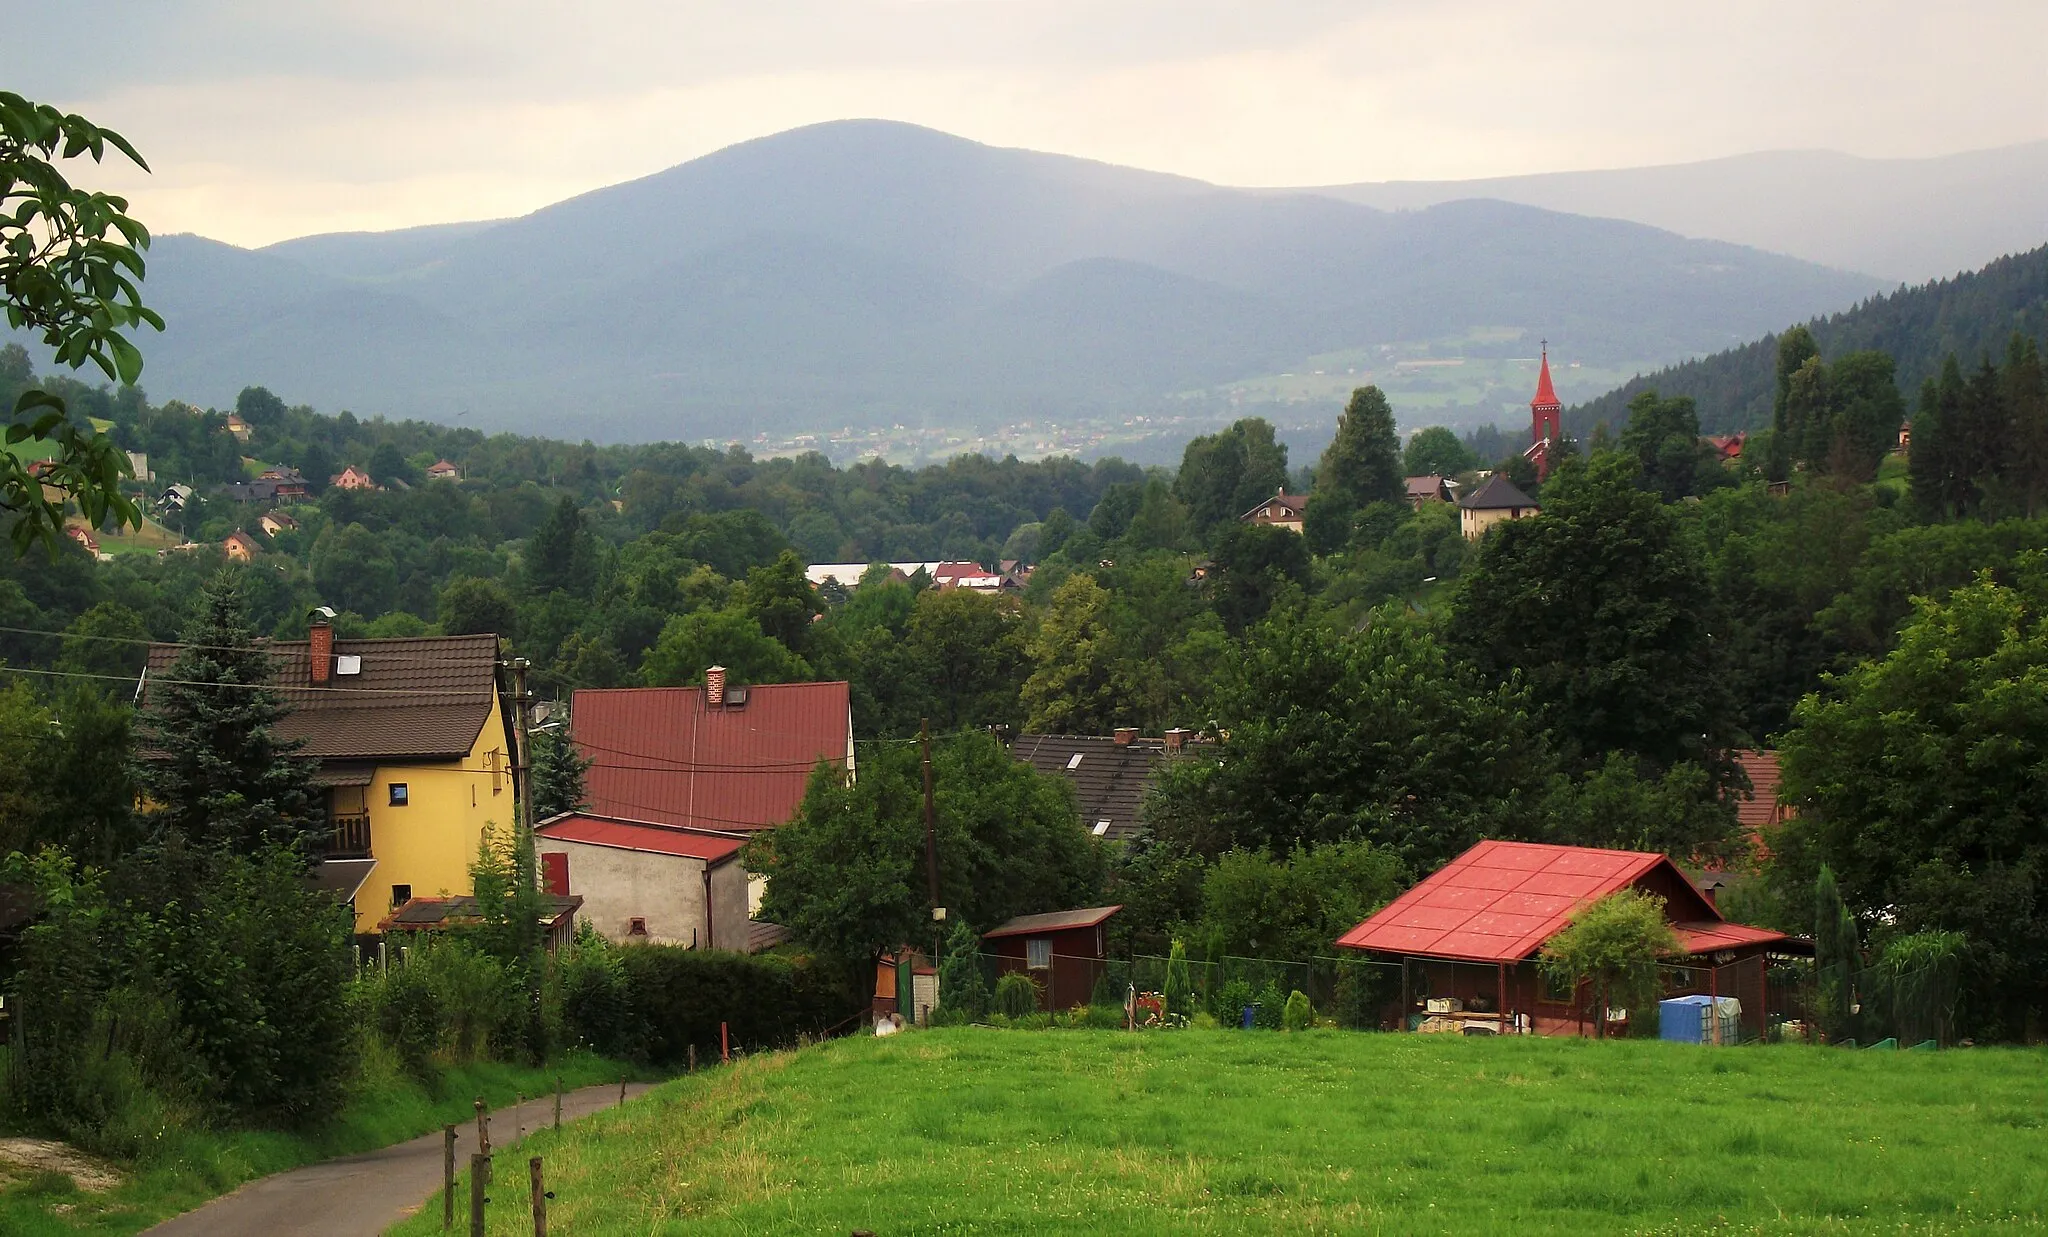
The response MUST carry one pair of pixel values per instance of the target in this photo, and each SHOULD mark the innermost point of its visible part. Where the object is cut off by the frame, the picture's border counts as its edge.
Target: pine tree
(557, 776)
(1795, 349)
(561, 555)
(217, 772)
(2026, 398)
(1363, 462)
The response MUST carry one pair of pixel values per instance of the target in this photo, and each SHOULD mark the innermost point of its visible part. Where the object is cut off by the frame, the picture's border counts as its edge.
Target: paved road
(363, 1195)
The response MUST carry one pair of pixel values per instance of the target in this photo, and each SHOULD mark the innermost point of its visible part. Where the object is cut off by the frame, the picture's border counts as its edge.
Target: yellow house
(1494, 501)
(415, 743)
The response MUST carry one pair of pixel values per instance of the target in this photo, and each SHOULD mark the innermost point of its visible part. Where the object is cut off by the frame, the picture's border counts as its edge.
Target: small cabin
(1064, 952)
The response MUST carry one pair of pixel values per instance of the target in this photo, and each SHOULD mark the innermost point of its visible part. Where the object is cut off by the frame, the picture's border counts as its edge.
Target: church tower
(1544, 419)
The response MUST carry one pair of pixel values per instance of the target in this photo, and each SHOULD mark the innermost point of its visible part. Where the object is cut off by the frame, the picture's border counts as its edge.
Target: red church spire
(1545, 414)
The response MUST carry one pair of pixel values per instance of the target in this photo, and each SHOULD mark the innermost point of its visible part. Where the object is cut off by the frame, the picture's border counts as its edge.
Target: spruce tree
(557, 776)
(216, 771)
(1363, 462)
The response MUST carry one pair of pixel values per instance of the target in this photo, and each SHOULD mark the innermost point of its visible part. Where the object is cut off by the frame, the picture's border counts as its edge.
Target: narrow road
(362, 1195)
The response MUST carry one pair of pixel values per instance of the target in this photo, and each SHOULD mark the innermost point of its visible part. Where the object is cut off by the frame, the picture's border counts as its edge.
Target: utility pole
(522, 759)
(931, 862)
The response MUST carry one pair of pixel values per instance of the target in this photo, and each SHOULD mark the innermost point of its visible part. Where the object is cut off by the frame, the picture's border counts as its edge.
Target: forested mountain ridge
(868, 273)
(1972, 316)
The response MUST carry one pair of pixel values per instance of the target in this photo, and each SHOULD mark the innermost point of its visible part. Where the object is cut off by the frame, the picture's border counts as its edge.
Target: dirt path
(362, 1195)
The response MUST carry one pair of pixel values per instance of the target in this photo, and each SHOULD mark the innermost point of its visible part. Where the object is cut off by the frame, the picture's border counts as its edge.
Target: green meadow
(982, 1131)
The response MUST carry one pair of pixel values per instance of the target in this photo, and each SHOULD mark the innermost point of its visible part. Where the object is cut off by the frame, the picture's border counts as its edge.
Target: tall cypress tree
(216, 771)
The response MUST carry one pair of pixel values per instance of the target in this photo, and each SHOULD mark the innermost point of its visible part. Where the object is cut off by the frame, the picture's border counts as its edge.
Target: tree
(1916, 777)
(473, 607)
(1603, 607)
(2026, 399)
(353, 569)
(692, 643)
(557, 777)
(1436, 451)
(258, 407)
(69, 263)
(561, 556)
(1837, 956)
(1255, 563)
(1664, 436)
(1073, 657)
(387, 464)
(1363, 462)
(1614, 945)
(782, 601)
(216, 772)
(1225, 474)
(1255, 906)
(962, 986)
(968, 652)
(1795, 348)
(110, 639)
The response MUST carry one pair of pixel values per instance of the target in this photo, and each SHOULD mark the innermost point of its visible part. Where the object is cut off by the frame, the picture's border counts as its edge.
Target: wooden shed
(1064, 952)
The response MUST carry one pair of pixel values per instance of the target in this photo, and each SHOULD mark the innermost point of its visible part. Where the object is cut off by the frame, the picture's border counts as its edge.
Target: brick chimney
(320, 645)
(714, 687)
(1124, 735)
(1175, 739)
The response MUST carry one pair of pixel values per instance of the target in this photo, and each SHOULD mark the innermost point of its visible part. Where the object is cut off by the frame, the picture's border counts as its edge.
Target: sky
(267, 119)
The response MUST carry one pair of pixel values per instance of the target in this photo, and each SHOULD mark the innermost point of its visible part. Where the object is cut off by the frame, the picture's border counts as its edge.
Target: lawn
(982, 1131)
(197, 1166)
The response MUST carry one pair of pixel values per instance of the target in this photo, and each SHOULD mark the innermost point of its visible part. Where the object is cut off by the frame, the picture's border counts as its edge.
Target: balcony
(348, 837)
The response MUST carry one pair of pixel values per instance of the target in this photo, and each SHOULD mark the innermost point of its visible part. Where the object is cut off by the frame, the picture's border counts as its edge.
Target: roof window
(1101, 828)
(1074, 762)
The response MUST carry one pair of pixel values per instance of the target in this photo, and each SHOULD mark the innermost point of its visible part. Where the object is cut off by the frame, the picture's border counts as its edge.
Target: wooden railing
(348, 837)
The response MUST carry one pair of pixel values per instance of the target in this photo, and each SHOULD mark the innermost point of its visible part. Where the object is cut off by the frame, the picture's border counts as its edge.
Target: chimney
(320, 647)
(1175, 738)
(1708, 891)
(714, 687)
(1124, 735)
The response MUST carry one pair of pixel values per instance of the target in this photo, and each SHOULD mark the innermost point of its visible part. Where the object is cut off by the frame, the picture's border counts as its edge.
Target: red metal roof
(1760, 806)
(1708, 937)
(1499, 901)
(657, 754)
(1546, 395)
(641, 835)
(1053, 921)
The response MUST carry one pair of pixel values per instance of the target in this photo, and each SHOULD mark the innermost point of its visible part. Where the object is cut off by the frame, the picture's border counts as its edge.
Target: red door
(554, 874)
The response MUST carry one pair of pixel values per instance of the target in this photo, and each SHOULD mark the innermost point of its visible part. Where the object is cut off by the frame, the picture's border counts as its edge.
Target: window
(1075, 762)
(1101, 828)
(636, 927)
(401, 894)
(1038, 955)
(400, 795)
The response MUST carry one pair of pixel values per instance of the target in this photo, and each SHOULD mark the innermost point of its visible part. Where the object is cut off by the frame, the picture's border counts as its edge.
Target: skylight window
(1075, 761)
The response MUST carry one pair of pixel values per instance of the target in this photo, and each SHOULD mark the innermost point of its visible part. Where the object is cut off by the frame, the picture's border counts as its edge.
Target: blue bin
(1684, 1019)
(1251, 1013)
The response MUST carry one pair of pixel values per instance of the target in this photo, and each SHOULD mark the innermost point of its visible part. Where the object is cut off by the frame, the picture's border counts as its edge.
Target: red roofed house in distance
(1467, 939)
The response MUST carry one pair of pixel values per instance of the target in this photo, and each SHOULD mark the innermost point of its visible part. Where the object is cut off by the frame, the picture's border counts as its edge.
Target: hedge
(669, 998)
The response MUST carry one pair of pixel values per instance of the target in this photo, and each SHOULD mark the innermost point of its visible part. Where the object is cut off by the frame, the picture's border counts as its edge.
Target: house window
(400, 794)
(636, 927)
(1038, 954)
(401, 894)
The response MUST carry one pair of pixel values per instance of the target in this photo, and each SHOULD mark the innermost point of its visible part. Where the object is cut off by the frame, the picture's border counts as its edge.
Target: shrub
(1231, 999)
(590, 992)
(1016, 995)
(960, 979)
(1297, 1015)
(482, 1003)
(1204, 1022)
(679, 997)
(1271, 1005)
(1180, 989)
(406, 1010)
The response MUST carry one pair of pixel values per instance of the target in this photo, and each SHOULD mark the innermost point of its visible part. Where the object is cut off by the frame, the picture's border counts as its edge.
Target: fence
(1352, 992)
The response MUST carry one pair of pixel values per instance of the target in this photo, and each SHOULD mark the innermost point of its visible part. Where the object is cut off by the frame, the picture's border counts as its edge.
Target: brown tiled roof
(424, 697)
(1110, 781)
(1053, 921)
(1760, 806)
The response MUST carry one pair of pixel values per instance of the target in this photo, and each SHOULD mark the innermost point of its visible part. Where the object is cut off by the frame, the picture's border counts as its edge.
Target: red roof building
(1468, 936)
(717, 758)
(1545, 419)
(648, 883)
(1064, 952)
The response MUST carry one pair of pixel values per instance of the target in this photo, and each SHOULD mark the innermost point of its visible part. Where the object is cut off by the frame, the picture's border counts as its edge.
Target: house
(1283, 510)
(241, 547)
(287, 486)
(1467, 939)
(558, 916)
(1110, 775)
(643, 882)
(1064, 952)
(890, 970)
(138, 465)
(1495, 500)
(274, 522)
(971, 576)
(442, 470)
(716, 758)
(1727, 447)
(83, 536)
(1430, 489)
(175, 496)
(352, 478)
(238, 427)
(413, 739)
(1760, 811)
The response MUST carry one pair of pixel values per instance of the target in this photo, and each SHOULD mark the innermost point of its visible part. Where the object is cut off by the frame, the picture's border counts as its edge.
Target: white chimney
(1176, 738)
(714, 687)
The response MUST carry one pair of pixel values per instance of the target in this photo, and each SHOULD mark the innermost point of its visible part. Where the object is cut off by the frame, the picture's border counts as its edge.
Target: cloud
(268, 120)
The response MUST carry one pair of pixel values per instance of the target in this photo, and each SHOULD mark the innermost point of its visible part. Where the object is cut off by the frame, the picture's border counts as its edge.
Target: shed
(1467, 937)
(648, 883)
(557, 916)
(1064, 952)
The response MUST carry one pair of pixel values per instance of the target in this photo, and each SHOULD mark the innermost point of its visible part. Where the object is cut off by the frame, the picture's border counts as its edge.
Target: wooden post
(518, 1115)
(558, 1101)
(724, 1044)
(479, 1173)
(1405, 995)
(693, 1058)
(540, 1198)
(622, 1090)
(483, 1133)
(1502, 1008)
(447, 1178)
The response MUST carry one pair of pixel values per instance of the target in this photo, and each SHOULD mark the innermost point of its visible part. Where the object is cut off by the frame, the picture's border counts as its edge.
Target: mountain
(1903, 220)
(865, 272)
(1972, 316)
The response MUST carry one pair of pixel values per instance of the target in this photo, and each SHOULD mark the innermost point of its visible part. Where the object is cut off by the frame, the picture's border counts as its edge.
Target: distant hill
(864, 272)
(1970, 315)
(1904, 220)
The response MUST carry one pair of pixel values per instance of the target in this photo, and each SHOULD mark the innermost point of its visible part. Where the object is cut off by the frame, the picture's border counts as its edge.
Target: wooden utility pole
(522, 744)
(908, 1000)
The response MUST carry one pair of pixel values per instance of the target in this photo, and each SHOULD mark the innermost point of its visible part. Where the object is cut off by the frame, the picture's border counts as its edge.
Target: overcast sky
(265, 119)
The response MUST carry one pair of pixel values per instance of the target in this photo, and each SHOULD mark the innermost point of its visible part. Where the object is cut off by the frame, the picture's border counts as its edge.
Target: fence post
(479, 1173)
(518, 1115)
(540, 1199)
(447, 1178)
(558, 1101)
(693, 1058)
(622, 1090)
(724, 1044)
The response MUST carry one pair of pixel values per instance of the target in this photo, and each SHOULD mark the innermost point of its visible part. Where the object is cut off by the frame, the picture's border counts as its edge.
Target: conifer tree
(216, 770)
(1363, 462)
(557, 776)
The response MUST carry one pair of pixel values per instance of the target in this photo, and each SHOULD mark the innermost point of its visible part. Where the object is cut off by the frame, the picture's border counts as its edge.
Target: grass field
(197, 1166)
(980, 1131)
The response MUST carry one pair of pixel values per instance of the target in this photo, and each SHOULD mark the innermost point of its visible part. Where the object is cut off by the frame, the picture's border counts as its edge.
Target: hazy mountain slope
(1971, 315)
(1898, 219)
(868, 272)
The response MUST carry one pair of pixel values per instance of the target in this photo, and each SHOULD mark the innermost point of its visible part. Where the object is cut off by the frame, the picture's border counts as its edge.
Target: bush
(591, 995)
(1180, 989)
(1231, 999)
(1297, 1015)
(1016, 995)
(1271, 1006)
(679, 997)
(406, 1010)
